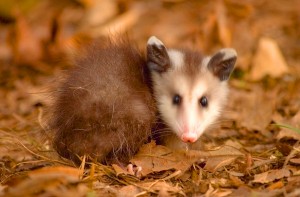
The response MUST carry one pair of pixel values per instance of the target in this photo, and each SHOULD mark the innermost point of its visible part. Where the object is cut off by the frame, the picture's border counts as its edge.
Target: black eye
(176, 99)
(203, 101)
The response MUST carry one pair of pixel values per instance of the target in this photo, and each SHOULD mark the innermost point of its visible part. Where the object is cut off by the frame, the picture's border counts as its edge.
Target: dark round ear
(157, 56)
(222, 63)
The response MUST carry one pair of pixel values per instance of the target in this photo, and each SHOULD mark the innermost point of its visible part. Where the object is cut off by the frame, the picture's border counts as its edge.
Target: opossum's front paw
(134, 170)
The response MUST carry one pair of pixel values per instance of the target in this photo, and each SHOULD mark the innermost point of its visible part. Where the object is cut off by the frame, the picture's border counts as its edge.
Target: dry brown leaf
(236, 174)
(72, 174)
(272, 175)
(288, 133)
(163, 188)
(221, 192)
(215, 163)
(276, 185)
(50, 181)
(252, 110)
(295, 161)
(120, 24)
(119, 170)
(99, 11)
(236, 181)
(268, 60)
(246, 191)
(218, 152)
(295, 121)
(156, 158)
(223, 30)
(27, 43)
(129, 191)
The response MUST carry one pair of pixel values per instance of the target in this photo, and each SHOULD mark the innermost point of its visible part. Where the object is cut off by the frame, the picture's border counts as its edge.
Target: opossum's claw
(134, 170)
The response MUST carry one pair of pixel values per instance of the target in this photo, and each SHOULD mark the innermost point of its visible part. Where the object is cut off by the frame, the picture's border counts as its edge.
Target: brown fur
(104, 108)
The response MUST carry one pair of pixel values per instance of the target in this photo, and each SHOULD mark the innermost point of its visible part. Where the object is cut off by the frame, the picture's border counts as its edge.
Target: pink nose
(189, 137)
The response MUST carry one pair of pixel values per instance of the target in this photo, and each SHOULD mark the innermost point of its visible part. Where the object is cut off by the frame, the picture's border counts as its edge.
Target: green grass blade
(288, 127)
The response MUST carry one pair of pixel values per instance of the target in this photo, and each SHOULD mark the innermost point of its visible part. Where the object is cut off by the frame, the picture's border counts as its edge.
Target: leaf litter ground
(248, 154)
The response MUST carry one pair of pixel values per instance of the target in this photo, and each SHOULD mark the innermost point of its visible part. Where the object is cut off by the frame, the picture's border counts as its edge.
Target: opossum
(190, 89)
(113, 98)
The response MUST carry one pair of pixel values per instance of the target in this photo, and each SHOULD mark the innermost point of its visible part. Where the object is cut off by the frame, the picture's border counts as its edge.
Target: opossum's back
(109, 78)
(105, 97)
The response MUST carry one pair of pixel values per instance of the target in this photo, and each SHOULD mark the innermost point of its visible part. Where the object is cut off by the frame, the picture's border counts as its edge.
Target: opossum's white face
(190, 90)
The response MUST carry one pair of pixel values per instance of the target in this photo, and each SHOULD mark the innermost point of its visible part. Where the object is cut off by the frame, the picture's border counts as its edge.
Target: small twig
(172, 175)
(292, 154)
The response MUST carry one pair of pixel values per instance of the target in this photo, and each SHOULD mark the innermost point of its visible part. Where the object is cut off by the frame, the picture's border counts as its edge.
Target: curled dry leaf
(268, 60)
(272, 175)
(223, 30)
(72, 174)
(120, 24)
(50, 181)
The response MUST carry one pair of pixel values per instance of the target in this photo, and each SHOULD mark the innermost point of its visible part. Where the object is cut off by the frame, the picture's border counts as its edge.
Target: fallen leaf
(215, 163)
(223, 30)
(50, 181)
(162, 187)
(295, 161)
(252, 110)
(216, 159)
(129, 191)
(268, 60)
(288, 133)
(292, 185)
(246, 191)
(120, 24)
(27, 43)
(119, 170)
(269, 176)
(98, 12)
(238, 174)
(72, 174)
(156, 158)
(276, 185)
(219, 152)
(236, 181)
(221, 192)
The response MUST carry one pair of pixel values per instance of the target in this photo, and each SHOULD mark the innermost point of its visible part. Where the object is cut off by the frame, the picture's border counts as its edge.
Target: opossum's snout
(190, 126)
(189, 137)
